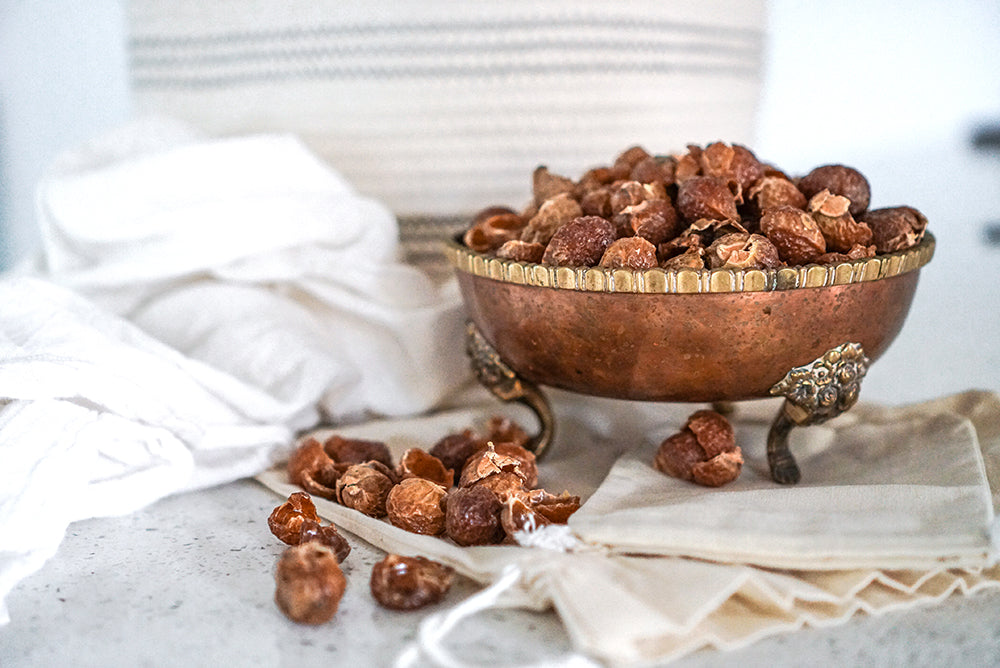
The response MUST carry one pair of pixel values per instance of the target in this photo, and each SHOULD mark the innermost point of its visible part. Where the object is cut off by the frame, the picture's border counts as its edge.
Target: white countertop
(189, 580)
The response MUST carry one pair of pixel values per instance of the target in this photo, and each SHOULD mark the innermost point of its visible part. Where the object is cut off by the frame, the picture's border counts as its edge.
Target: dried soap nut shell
(630, 253)
(704, 452)
(713, 432)
(327, 535)
(736, 165)
(629, 158)
(309, 583)
(706, 197)
(580, 242)
(486, 462)
(409, 583)
(364, 488)
(546, 185)
(357, 451)
(719, 470)
(652, 169)
(555, 509)
(491, 211)
(627, 194)
(521, 251)
(794, 233)
(552, 214)
(285, 521)
(857, 252)
(417, 505)
(517, 516)
(596, 202)
(839, 180)
(692, 258)
(313, 470)
(655, 220)
(741, 250)
(895, 228)
(455, 449)
(501, 429)
(770, 192)
(418, 463)
(504, 485)
(493, 232)
(840, 230)
(678, 454)
(473, 516)
(593, 179)
(504, 456)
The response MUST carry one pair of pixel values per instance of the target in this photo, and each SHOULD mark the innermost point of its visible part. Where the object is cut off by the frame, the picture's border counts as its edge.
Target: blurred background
(862, 82)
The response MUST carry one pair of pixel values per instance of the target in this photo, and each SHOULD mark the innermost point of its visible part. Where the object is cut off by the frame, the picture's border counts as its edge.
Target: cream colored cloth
(929, 473)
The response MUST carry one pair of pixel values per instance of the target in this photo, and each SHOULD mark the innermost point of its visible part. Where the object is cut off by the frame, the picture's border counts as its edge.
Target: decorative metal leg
(503, 382)
(813, 393)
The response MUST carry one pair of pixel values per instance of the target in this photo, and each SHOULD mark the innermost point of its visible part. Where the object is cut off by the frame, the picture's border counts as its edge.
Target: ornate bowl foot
(813, 393)
(503, 382)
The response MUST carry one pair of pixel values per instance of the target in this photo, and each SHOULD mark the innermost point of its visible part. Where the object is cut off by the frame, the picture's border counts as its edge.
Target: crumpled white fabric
(652, 568)
(252, 255)
(196, 303)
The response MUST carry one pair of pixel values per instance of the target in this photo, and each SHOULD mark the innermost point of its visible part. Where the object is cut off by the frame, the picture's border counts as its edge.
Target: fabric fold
(629, 589)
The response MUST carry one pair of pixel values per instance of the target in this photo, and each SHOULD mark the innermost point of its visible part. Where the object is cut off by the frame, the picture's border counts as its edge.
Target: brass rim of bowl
(690, 281)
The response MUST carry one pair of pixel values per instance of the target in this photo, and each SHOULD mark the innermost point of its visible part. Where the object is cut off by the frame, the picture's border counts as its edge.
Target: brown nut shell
(832, 214)
(285, 521)
(741, 250)
(521, 251)
(770, 192)
(839, 180)
(518, 515)
(504, 485)
(552, 214)
(678, 454)
(418, 463)
(364, 487)
(713, 432)
(491, 233)
(501, 429)
(357, 451)
(895, 228)
(473, 516)
(326, 535)
(704, 451)
(417, 505)
(706, 197)
(313, 470)
(409, 583)
(719, 470)
(546, 184)
(455, 449)
(309, 583)
(580, 242)
(630, 253)
(794, 233)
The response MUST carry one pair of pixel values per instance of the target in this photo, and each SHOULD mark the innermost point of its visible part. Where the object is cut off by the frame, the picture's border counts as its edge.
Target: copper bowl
(682, 335)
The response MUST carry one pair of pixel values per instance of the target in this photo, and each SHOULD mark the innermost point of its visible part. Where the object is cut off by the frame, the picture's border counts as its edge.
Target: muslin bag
(685, 567)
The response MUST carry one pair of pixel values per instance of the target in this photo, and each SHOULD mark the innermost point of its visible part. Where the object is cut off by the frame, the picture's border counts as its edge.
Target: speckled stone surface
(189, 581)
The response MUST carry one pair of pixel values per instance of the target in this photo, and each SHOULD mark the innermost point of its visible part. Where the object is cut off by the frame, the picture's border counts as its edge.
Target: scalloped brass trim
(690, 281)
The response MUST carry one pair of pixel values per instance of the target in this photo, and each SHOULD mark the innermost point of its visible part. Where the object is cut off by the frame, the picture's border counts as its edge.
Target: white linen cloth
(196, 303)
(897, 508)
